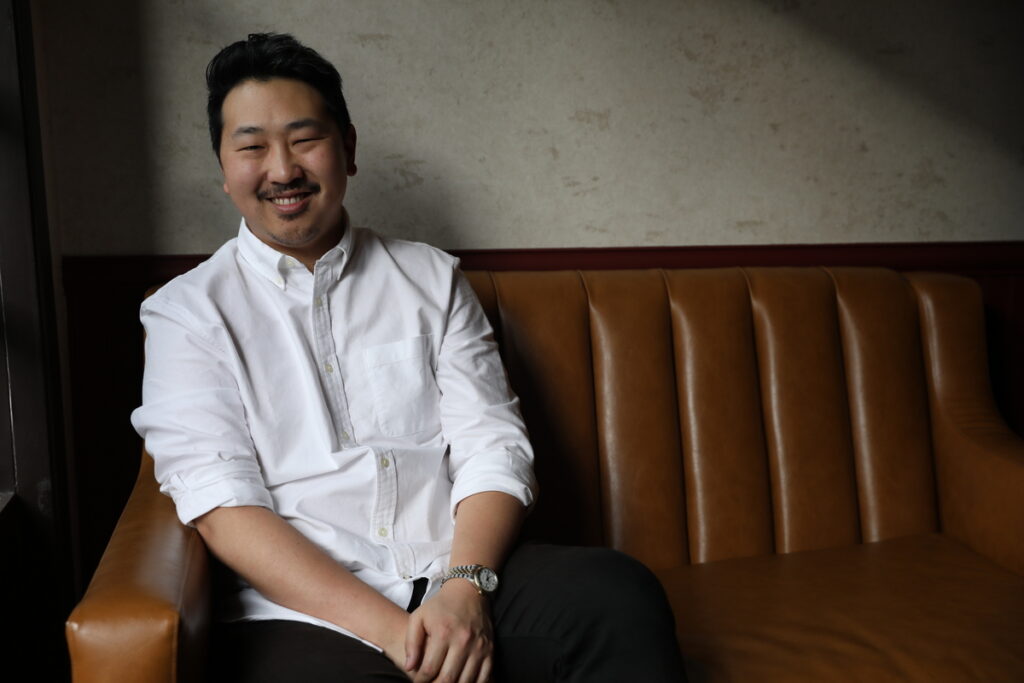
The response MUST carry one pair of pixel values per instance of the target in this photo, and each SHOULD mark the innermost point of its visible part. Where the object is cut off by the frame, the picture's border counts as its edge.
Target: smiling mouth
(289, 201)
(292, 205)
(291, 194)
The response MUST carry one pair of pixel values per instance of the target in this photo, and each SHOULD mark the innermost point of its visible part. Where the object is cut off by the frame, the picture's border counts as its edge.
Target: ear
(349, 140)
(220, 164)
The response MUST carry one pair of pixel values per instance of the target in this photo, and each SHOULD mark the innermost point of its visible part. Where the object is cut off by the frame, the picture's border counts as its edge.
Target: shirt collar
(277, 267)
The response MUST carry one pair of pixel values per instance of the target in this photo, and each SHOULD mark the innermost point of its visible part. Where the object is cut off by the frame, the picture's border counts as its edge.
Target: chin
(297, 239)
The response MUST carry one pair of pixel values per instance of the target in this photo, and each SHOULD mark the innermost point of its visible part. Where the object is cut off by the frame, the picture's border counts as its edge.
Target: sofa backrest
(698, 415)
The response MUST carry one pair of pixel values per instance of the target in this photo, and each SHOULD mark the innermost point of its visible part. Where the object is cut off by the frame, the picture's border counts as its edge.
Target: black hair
(263, 56)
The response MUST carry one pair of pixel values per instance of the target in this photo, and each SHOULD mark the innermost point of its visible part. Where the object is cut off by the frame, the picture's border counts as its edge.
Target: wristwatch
(483, 578)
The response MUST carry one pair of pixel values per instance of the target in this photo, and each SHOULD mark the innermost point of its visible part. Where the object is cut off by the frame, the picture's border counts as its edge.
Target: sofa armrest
(979, 460)
(145, 615)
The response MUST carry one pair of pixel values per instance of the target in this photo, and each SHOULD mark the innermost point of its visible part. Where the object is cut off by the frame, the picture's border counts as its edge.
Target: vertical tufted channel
(637, 424)
(888, 402)
(806, 415)
(729, 509)
(545, 331)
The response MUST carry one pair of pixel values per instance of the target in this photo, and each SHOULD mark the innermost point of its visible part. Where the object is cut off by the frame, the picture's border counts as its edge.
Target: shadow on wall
(966, 57)
(98, 122)
(965, 60)
(96, 149)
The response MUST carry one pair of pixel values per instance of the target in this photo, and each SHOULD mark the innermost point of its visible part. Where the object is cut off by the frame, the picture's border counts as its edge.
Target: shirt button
(382, 531)
(329, 368)
(319, 301)
(385, 462)
(344, 436)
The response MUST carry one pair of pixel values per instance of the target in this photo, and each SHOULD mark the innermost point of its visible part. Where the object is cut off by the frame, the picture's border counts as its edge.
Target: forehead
(272, 104)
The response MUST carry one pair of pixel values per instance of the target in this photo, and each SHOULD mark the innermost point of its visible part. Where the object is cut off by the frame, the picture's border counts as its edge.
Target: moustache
(276, 189)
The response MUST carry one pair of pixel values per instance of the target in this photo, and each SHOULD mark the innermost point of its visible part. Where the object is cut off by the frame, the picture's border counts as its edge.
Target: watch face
(488, 580)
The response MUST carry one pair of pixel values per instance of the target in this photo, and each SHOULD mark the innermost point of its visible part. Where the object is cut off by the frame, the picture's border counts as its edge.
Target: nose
(282, 167)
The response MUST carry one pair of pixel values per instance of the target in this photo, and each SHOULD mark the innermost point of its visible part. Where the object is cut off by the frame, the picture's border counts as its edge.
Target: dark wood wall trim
(944, 256)
(941, 256)
(105, 340)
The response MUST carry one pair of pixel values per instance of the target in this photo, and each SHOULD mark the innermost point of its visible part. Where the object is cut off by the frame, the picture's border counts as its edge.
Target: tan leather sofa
(809, 459)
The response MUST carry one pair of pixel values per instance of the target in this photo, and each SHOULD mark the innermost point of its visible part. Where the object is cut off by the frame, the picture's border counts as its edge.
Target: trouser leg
(582, 614)
(278, 651)
(561, 614)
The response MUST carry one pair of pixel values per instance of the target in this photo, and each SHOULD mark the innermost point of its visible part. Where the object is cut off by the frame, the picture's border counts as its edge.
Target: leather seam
(761, 402)
(674, 345)
(849, 403)
(600, 468)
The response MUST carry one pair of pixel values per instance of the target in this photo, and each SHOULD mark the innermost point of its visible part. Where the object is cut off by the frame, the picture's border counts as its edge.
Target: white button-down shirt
(361, 402)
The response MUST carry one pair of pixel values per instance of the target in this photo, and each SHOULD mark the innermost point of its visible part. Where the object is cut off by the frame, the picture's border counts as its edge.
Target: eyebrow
(290, 126)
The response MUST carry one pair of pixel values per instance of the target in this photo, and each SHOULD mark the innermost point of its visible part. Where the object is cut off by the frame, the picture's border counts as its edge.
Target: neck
(309, 254)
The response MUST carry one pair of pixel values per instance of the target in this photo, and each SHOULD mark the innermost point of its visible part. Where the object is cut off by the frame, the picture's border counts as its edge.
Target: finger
(414, 638)
(434, 655)
(460, 657)
(471, 668)
(485, 670)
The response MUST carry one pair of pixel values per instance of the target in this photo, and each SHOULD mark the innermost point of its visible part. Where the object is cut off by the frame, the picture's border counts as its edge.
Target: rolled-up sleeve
(192, 417)
(489, 446)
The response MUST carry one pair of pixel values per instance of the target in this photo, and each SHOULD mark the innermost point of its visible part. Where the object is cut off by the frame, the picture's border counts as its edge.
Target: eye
(250, 148)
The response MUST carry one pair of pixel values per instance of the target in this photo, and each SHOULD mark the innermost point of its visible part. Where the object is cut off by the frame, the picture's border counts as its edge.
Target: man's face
(286, 165)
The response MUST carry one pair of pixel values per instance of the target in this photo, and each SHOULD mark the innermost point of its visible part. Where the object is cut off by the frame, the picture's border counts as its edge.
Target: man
(329, 410)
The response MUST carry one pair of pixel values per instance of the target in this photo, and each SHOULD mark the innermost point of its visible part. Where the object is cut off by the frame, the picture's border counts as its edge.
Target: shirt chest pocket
(405, 394)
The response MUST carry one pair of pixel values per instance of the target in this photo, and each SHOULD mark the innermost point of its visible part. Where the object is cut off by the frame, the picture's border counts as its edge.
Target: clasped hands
(447, 639)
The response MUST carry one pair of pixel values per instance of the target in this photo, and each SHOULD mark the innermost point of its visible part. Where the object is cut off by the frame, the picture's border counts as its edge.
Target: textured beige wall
(532, 123)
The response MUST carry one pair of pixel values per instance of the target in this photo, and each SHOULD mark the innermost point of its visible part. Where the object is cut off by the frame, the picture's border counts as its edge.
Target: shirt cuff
(242, 489)
(504, 470)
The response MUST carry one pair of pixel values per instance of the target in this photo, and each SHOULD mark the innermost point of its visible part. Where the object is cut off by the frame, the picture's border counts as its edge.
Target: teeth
(286, 201)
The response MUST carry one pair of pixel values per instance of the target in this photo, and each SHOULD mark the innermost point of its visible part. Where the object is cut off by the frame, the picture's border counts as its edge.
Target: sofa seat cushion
(919, 608)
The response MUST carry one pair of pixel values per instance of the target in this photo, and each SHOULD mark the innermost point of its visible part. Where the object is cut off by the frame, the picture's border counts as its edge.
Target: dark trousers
(560, 614)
